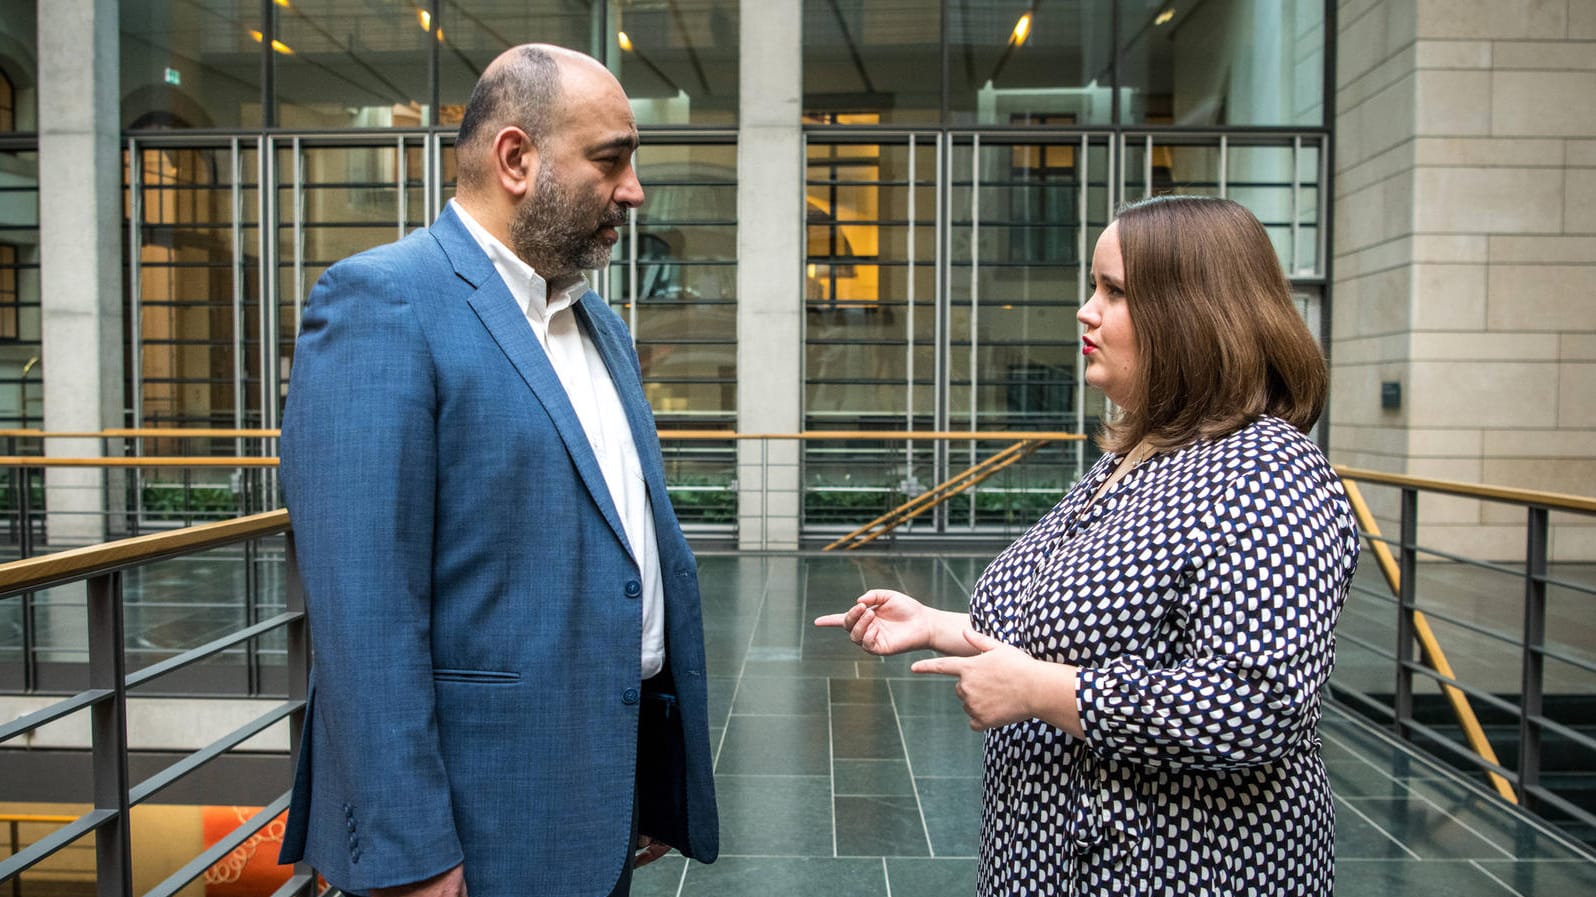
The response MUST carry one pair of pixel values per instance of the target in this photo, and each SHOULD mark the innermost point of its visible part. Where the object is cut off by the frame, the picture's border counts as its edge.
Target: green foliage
(177, 501)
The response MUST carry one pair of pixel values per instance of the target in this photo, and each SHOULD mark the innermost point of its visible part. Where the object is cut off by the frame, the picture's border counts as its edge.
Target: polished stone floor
(845, 775)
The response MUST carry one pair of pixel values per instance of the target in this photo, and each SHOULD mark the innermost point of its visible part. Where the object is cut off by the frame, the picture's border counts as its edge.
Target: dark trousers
(623, 887)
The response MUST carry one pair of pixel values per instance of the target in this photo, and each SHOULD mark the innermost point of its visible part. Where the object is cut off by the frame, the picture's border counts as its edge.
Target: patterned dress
(1198, 596)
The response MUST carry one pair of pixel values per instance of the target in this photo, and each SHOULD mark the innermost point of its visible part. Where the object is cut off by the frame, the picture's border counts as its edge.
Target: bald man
(508, 695)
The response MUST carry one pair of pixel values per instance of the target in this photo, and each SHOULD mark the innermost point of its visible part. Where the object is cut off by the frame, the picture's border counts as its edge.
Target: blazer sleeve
(1259, 639)
(359, 457)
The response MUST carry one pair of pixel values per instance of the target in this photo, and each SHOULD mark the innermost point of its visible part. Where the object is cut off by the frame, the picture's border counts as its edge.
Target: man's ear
(515, 161)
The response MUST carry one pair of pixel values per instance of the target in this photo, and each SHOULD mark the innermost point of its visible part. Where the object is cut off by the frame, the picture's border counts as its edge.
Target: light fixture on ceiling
(424, 19)
(1022, 30)
(277, 45)
(1164, 17)
(624, 41)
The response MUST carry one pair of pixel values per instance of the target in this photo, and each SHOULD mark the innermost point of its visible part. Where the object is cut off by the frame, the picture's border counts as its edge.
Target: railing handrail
(1554, 501)
(35, 573)
(687, 435)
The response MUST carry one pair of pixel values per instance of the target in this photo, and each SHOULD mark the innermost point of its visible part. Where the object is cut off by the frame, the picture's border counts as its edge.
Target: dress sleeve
(1257, 640)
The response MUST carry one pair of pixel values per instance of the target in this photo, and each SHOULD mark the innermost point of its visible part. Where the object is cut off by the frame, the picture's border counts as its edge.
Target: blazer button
(633, 588)
(629, 696)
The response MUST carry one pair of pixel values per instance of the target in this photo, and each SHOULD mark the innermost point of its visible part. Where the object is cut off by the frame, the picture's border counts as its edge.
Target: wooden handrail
(685, 435)
(79, 563)
(42, 818)
(233, 461)
(934, 496)
(1556, 501)
(1429, 646)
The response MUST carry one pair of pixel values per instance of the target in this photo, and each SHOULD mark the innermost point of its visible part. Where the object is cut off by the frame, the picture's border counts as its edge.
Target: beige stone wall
(1465, 255)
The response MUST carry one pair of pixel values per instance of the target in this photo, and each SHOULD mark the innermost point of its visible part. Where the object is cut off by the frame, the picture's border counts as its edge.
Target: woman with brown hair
(1147, 659)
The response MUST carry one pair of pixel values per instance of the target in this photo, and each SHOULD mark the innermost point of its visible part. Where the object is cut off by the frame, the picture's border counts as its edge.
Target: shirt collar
(526, 285)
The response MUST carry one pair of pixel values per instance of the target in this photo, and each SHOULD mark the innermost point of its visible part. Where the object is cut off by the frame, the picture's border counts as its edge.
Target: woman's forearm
(947, 632)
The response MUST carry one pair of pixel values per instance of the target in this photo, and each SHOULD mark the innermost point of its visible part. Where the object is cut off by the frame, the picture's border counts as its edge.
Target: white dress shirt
(598, 406)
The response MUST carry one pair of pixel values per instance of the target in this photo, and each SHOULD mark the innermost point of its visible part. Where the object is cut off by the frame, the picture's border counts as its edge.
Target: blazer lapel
(501, 315)
(615, 347)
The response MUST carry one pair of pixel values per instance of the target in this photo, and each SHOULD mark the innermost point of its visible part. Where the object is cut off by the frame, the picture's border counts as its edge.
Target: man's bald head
(523, 88)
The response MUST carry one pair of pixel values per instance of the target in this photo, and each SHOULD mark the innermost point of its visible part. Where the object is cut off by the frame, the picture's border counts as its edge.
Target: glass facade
(1002, 63)
(961, 159)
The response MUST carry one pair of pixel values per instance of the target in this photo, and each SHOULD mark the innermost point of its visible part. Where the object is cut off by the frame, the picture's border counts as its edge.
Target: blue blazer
(472, 596)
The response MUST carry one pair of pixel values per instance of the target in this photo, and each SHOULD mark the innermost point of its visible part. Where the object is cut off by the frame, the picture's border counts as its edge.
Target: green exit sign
(173, 76)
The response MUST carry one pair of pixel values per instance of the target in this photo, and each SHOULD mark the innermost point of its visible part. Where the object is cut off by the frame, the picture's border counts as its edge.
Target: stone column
(1465, 256)
(80, 230)
(770, 239)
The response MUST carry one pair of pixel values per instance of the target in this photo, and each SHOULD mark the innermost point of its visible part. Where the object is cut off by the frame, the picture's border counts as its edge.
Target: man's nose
(630, 192)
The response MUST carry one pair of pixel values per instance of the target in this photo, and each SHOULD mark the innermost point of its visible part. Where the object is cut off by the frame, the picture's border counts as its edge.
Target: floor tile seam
(1464, 825)
(943, 560)
(831, 766)
(1377, 827)
(1492, 876)
(1506, 855)
(769, 775)
(753, 633)
(1437, 770)
(861, 856)
(903, 741)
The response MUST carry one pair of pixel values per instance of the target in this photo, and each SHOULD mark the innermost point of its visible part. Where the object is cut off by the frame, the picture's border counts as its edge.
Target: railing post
(108, 721)
(1402, 698)
(16, 844)
(297, 634)
(1529, 726)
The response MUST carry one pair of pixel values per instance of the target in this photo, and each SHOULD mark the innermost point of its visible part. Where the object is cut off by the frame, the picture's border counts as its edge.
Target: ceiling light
(625, 42)
(424, 19)
(1164, 16)
(277, 45)
(1022, 30)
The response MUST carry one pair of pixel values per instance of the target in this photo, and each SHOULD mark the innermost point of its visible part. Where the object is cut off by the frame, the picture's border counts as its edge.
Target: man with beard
(508, 695)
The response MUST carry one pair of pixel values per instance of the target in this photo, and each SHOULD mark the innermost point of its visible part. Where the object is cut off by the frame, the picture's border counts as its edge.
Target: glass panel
(191, 63)
(21, 376)
(678, 61)
(682, 308)
(1017, 64)
(1222, 62)
(1015, 282)
(189, 326)
(880, 57)
(343, 64)
(870, 321)
(19, 100)
(473, 32)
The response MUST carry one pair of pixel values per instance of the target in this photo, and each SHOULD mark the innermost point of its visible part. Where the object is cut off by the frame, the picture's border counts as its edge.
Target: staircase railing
(109, 820)
(1413, 631)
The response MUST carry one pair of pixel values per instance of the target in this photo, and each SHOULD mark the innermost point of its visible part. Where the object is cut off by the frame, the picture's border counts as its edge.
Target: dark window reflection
(471, 33)
(1222, 62)
(191, 63)
(877, 56)
(353, 64)
(19, 30)
(1029, 63)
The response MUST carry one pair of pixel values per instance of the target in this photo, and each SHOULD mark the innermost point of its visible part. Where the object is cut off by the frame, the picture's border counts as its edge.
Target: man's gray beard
(546, 234)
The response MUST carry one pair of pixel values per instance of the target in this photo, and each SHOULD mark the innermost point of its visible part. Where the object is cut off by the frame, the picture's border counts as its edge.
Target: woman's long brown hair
(1219, 341)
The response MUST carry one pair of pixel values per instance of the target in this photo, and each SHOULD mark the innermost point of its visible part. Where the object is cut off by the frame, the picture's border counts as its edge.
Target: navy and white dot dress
(1198, 596)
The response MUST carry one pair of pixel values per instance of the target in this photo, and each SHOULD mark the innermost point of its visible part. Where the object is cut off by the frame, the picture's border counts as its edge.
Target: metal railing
(109, 820)
(102, 569)
(1418, 610)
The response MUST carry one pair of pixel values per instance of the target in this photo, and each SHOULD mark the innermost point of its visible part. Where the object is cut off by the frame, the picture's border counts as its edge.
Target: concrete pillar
(1465, 258)
(770, 235)
(80, 230)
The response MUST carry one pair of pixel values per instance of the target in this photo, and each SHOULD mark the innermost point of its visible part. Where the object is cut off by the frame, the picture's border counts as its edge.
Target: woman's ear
(515, 161)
